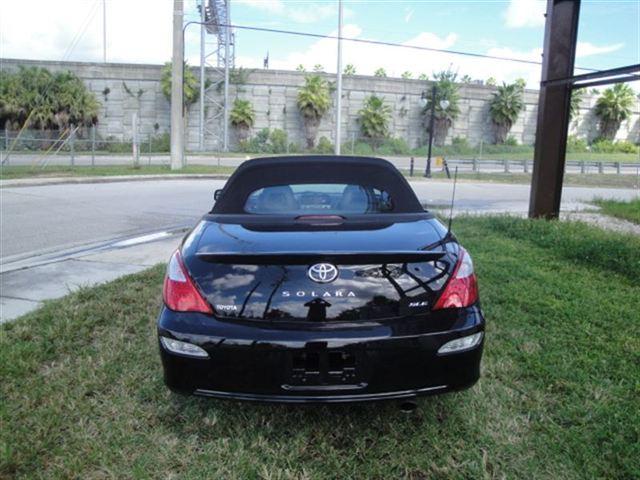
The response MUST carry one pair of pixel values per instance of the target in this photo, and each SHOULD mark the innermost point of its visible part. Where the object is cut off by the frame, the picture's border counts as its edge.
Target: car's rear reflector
(462, 288)
(180, 293)
(461, 344)
(183, 348)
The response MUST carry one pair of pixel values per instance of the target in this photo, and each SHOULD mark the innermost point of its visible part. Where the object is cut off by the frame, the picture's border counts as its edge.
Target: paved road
(56, 217)
(483, 166)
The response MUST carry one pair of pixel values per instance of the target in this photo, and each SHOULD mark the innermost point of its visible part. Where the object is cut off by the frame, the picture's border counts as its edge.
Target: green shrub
(394, 146)
(602, 145)
(278, 141)
(267, 141)
(576, 145)
(624, 146)
(511, 141)
(357, 148)
(324, 146)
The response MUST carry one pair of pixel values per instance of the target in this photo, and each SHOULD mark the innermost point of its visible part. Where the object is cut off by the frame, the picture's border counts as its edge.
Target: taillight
(179, 292)
(462, 289)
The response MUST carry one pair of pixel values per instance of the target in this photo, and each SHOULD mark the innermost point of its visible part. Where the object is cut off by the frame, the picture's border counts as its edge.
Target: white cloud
(271, 6)
(304, 12)
(137, 31)
(395, 60)
(525, 13)
(585, 49)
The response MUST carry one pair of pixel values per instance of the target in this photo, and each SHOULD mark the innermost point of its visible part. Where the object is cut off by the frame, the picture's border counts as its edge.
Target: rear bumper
(318, 364)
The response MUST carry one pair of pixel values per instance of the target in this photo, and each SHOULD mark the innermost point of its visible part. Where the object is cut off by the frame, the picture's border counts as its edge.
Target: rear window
(318, 199)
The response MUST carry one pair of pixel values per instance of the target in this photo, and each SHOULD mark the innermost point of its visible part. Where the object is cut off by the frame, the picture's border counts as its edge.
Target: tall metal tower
(214, 77)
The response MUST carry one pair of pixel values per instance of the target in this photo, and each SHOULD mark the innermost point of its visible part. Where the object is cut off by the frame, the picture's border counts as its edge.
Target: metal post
(506, 166)
(72, 145)
(177, 119)
(560, 39)
(339, 82)
(600, 168)
(582, 167)
(104, 31)
(134, 138)
(427, 172)
(93, 146)
(618, 168)
(475, 164)
(149, 140)
(202, 72)
(411, 168)
(227, 36)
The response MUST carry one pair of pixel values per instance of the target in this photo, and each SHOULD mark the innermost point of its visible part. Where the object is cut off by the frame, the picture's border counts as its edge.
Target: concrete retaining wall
(273, 95)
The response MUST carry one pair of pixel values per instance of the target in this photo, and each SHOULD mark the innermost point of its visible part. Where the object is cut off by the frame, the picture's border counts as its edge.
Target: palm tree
(189, 84)
(491, 82)
(313, 102)
(318, 68)
(300, 68)
(380, 72)
(406, 75)
(374, 120)
(577, 95)
(447, 96)
(504, 108)
(613, 107)
(349, 70)
(466, 79)
(242, 117)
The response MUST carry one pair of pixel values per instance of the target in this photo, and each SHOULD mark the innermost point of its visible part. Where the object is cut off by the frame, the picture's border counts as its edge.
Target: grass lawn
(23, 171)
(82, 393)
(626, 210)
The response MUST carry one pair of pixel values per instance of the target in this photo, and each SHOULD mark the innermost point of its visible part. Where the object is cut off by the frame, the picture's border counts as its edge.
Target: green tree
(423, 76)
(349, 70)
(465, 79)
(300, 68)
(614, 107)
(521, 82)
(406, 75)
(380, 72)
(374, 120)
(504, 108)
(190, 83)
(447, 106)
(313, 102)
(577, 95)
(46, 101)
(242, 117)
(491, 82)
(317, 68)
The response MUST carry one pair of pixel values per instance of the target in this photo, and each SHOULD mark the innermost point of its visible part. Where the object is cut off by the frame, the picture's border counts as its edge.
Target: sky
(139, 31)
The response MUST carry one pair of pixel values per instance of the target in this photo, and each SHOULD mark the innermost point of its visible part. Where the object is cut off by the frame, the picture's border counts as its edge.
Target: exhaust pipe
(408, 406)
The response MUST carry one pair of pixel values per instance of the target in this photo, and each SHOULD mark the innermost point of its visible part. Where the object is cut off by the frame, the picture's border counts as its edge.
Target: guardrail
(526, 166)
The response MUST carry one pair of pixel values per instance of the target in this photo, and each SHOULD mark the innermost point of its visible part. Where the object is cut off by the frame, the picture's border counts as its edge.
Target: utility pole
(339, 83)
(202, 75)
(104, 31)
(227, 52)
(177, 66)
(432, 118)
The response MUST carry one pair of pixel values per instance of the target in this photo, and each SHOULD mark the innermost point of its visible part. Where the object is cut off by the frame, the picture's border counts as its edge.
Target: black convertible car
(319, 279)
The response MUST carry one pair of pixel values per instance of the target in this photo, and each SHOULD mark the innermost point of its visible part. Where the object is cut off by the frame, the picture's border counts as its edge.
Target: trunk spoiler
(302, 258)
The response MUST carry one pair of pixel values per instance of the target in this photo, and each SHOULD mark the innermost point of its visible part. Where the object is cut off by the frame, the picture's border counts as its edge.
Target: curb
(37, 182)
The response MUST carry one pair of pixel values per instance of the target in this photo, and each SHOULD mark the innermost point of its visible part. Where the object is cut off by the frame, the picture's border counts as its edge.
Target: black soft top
(258, 173)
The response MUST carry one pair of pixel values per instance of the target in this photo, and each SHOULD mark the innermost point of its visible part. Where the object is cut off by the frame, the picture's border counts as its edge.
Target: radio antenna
(453, 197)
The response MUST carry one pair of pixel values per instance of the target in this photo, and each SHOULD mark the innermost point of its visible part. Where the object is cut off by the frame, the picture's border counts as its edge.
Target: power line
(390, 44)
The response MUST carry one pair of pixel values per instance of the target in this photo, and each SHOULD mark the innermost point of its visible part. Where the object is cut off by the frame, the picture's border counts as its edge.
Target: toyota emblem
(323, 272)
